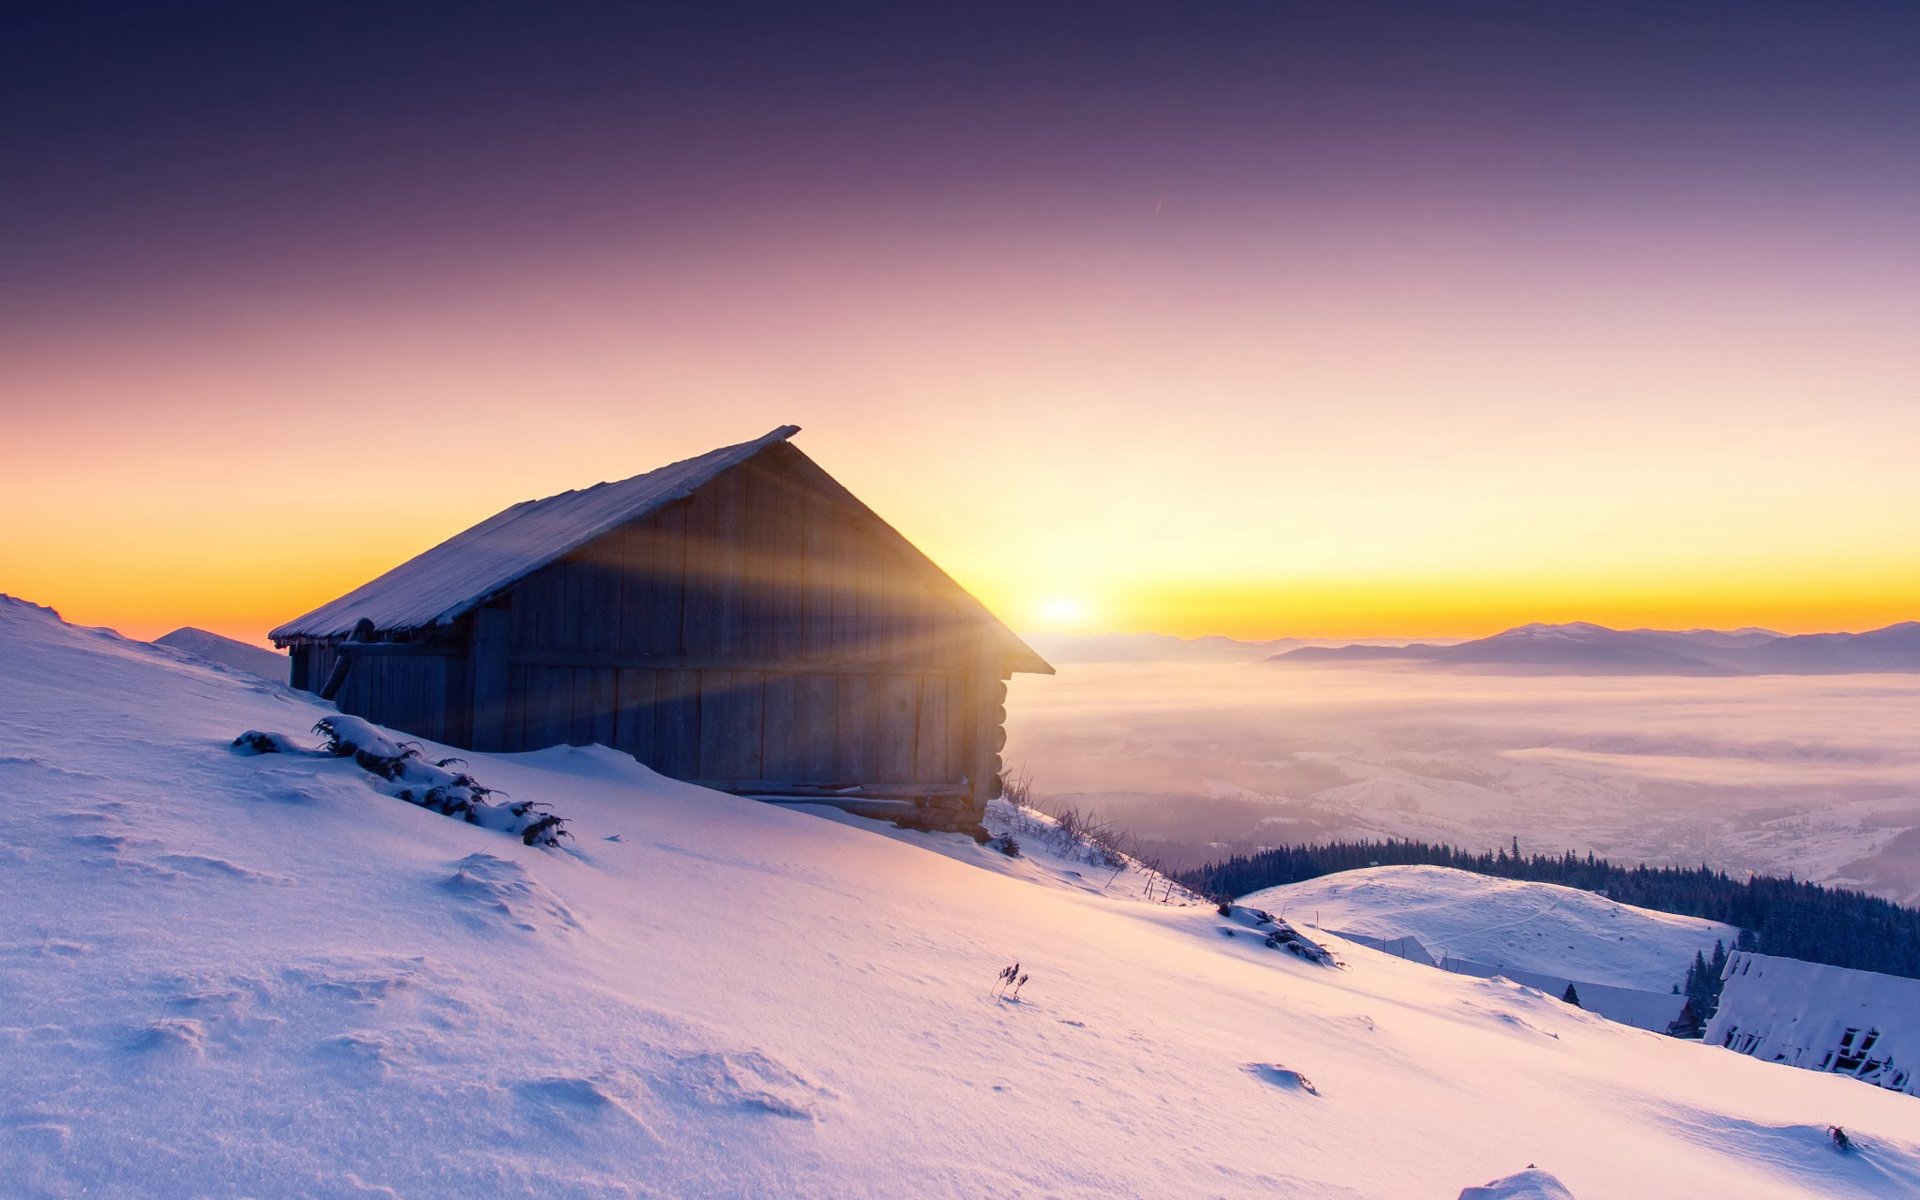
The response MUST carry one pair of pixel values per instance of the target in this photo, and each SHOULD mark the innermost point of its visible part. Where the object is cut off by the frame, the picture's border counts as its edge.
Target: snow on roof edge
(441, 584)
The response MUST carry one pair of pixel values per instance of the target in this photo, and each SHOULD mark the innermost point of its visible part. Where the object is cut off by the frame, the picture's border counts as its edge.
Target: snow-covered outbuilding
(739, 620)
(1823, 1018)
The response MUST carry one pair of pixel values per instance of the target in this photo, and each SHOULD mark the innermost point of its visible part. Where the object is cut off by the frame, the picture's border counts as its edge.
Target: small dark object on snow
(255, 742)
(1010, 977)
(1570, 996)
(1006, 844)
(537, 832)
(1839, 1137)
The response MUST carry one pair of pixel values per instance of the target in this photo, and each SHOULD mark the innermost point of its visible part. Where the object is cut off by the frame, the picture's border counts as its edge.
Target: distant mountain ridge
(1581, 647)
(1165, 647)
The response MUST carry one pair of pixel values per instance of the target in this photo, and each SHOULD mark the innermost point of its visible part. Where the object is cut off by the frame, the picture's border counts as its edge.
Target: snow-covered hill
(254, 660)
(1539, 927)
(226, 975)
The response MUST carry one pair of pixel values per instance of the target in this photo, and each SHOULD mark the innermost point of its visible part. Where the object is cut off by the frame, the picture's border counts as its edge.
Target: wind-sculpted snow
(734, 999)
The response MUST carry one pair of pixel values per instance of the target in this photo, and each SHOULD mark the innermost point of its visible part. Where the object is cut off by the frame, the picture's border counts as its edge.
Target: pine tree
(1570, 996)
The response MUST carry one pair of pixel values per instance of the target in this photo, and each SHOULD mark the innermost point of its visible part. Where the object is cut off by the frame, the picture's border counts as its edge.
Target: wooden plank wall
(758, 632)
(419, 693)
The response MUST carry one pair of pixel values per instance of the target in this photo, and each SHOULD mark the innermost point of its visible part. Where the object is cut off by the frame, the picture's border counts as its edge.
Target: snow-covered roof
(463, 572)
(1821, 1017)
(453, 578)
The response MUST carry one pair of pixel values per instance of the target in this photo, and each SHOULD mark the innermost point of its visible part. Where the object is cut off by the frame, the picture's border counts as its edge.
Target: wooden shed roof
(441, 585)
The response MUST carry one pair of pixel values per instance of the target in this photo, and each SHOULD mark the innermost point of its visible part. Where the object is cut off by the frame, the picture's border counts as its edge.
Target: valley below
(1816, 775)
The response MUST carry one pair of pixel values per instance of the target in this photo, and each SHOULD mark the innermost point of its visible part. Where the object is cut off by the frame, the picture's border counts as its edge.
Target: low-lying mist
(1817, 775)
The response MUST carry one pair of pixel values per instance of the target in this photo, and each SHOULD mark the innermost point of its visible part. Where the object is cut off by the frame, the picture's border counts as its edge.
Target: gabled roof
(457, 576)
(443, 584)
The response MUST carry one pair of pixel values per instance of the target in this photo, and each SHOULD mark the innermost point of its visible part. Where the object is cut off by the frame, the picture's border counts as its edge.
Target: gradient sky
(1260, 318)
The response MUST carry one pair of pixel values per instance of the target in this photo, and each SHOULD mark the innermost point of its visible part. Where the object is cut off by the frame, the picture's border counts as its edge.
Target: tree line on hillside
(1786, 917)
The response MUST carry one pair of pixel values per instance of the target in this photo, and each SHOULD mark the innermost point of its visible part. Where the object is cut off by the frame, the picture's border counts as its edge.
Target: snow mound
(1530, 1184)
(499, 894)
(1541, 928)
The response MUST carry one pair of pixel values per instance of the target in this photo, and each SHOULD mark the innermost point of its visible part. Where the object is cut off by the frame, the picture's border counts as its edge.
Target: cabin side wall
(420, 688)
(759, 637)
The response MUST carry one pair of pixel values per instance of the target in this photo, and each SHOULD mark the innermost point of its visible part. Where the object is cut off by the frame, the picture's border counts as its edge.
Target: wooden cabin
(737, 620)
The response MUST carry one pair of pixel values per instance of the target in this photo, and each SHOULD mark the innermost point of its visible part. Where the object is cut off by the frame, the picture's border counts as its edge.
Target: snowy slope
(1538, 927)
(229, 975)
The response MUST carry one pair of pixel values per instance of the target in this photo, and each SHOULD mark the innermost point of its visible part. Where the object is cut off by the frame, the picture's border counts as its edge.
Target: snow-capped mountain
(264, 974)
(1583, 648)
(254, 660)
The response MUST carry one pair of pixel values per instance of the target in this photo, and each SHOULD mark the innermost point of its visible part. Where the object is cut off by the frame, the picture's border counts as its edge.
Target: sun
(1062, 612)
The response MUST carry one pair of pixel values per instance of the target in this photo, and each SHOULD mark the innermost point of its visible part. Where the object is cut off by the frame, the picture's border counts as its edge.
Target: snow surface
(225, 975)
(1506, 924)
(1822, 1018)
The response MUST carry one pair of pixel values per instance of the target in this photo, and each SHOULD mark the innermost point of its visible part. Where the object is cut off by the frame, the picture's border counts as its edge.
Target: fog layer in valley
(1818, 775)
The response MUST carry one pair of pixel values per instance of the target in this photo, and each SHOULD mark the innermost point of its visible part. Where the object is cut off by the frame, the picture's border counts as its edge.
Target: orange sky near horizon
(1101, 510)
(1083, 449)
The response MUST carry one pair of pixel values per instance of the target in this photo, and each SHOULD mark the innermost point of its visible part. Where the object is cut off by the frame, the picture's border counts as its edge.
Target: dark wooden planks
(633, 728)
(492, 628)
(730, 717)
(727, 562)
(896, 728)
(631, 549)
(666, 537)
(932, 763)
(780, 751)
(700, 604)
(816, 710)
(677, 724)
(816, 575)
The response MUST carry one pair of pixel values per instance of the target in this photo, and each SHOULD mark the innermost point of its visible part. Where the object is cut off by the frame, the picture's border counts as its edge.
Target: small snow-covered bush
(1285, 937)
(434, 785)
